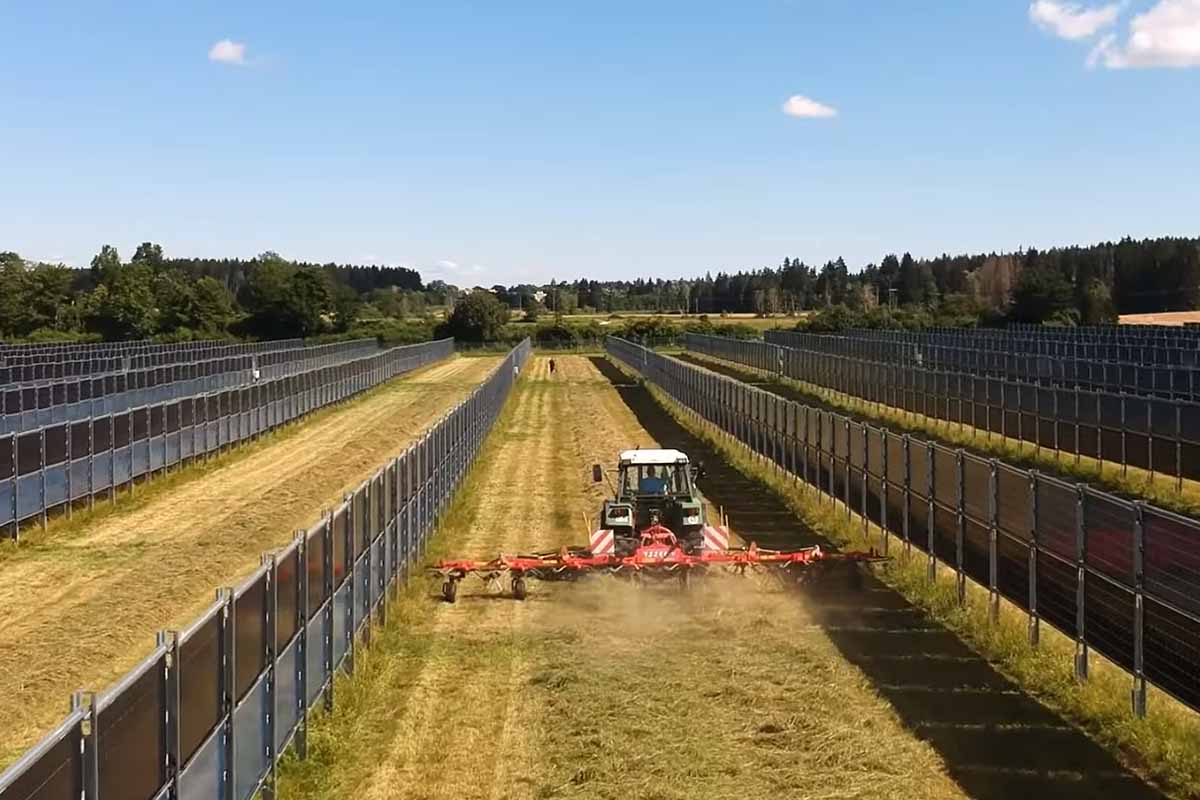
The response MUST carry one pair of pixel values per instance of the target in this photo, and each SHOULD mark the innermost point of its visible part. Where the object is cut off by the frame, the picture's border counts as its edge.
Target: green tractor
(654, 487)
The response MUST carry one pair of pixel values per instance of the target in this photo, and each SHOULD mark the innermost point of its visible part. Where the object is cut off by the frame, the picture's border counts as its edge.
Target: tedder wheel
(519, 589)
(685, 580)
(450, 591)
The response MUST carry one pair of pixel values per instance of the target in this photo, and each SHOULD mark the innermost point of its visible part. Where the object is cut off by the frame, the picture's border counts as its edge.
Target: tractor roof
(654, 457)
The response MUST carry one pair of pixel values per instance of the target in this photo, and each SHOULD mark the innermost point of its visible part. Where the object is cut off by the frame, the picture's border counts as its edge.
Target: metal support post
(930, 509)
(174, 761)
(1139, 612)
(993, 536)
(1081, 645)
(228, 687)
(302, 619)
(89, 730)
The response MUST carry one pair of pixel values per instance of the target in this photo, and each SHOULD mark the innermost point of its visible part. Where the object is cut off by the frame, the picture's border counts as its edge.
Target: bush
(478, 317)
(52, 336)
(387, 332)
(556, 334)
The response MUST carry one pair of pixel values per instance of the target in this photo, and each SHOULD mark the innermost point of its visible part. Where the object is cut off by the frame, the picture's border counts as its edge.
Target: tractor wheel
(520, 592)
(685, 580)
(450, 591)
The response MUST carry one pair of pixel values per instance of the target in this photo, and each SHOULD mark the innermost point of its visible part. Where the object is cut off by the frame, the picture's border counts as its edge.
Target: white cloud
(454, 272)
(1168, 35)
(1071, 20)
(800, 106)
(228, 51)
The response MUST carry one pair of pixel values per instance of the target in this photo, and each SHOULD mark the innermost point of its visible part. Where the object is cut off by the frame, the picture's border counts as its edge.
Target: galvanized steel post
(1139, 611)
(302, 620)
(1081, 645)
(89, 733)
(228, 628)
(993, 535)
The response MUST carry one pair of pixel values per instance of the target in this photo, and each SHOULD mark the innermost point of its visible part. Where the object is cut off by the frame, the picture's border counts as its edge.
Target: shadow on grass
(995, 740)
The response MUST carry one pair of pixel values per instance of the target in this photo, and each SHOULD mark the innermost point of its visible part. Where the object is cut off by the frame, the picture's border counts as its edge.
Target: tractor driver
(652, 483)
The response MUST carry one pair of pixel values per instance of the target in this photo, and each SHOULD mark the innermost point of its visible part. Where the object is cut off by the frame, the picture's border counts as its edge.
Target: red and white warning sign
(602, 543)
(715, 538)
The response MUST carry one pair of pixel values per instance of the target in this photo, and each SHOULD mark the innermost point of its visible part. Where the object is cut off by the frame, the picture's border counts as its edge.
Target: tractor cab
(654, 487)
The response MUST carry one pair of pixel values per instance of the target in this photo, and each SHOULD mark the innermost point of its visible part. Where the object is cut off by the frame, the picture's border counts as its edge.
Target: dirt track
(596, 689)
(79, 610)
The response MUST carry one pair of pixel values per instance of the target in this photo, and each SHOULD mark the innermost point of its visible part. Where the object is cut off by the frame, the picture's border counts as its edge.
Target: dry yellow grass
(1161, 318)
(81, 604)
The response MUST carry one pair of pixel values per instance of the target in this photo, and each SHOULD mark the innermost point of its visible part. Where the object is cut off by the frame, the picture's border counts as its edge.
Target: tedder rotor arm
(653, 557)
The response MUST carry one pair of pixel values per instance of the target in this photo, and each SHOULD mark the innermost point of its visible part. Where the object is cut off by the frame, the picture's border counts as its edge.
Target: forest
(170, 298)
(1072, 285)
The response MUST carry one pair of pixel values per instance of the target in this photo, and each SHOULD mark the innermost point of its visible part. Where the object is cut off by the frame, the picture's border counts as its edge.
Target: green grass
(1164, 747)
(1131, 483)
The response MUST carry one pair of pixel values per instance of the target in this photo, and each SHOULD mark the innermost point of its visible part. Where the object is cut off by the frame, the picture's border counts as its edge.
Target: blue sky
(509, 142)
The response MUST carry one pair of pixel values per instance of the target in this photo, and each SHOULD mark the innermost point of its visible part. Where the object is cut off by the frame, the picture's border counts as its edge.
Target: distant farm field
(1161, 318)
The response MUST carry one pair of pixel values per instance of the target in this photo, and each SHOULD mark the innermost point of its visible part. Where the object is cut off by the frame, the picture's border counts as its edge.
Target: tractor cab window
(650, 479)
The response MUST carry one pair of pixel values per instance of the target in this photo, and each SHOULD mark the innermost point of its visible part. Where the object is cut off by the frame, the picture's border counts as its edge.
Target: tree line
(1089, 284)
(152, 296)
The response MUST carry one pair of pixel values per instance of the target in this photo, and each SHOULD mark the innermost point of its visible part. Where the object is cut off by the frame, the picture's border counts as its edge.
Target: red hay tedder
(654, 487)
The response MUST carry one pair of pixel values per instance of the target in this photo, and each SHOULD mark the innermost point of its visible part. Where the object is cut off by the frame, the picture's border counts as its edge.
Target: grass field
(82, 601)
(753, 320)
(734, 690)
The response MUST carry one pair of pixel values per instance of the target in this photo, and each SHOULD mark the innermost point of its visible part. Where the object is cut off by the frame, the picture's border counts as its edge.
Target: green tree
(49, 301)
(105, 264)
(917, 283)
(889, 274)
(928, 284)
(175, 299)
(148, 253)
(1042, 293)
(1097, 307)
(124, 308)
(269, 299)
(213, 310)
(478, 317)
(12, 293)
(309, 297)
(346, 307)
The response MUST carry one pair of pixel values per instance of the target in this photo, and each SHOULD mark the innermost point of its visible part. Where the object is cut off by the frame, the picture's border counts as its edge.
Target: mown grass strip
(351, 739)
(1164, 747)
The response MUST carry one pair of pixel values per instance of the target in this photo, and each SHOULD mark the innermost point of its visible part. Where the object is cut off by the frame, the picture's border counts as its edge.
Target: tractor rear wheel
(450, 591)
(519, 589)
